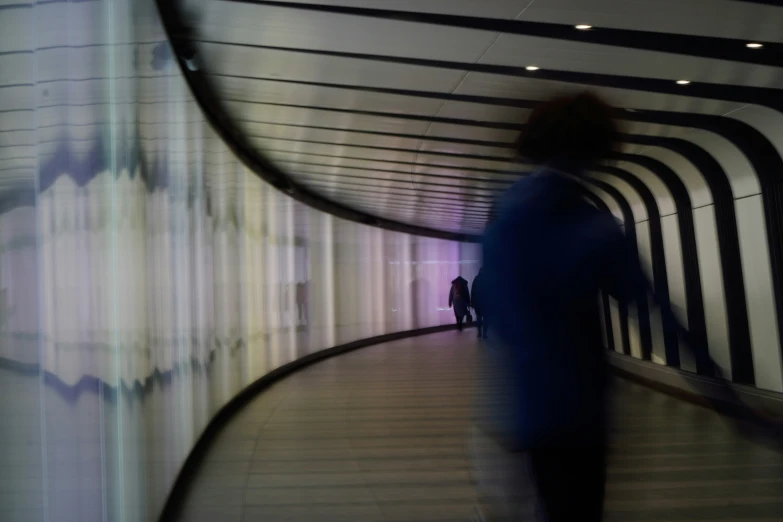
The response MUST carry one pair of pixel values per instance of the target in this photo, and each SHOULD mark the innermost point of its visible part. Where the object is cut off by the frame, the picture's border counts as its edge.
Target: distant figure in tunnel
(459, 300)
(301, 301)
(476, 296)
(547, 256)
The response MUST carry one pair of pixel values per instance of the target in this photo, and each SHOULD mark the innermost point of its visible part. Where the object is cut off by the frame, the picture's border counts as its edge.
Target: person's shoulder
(520, 194)
(605, 229)
(524, 185)
(607, 221)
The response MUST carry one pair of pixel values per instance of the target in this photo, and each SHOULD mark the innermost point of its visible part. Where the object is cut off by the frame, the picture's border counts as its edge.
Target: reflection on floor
(381, 434)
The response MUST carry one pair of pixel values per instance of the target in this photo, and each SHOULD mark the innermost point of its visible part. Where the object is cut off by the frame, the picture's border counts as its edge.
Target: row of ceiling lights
(750, 45)
(536, 67)
(585, 27)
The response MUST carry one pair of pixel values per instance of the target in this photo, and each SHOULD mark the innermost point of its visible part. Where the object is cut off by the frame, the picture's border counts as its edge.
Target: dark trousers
(481, 324)
(460, 321)
(570, 482)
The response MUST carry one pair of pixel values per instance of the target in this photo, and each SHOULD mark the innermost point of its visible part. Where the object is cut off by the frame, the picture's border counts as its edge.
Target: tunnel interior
(196, 194)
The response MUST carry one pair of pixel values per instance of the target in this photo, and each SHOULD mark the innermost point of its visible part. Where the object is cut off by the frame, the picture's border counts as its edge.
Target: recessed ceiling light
(754, 45)
(583, 27)
(532, 68)
(683, 82)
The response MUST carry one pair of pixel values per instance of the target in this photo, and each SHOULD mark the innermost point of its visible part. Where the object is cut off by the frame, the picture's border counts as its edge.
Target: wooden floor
(384, 434)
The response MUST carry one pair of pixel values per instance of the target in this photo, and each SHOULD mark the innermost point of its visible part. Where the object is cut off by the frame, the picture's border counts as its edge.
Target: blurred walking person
(547, 256)
(476, 296)
(459, 300)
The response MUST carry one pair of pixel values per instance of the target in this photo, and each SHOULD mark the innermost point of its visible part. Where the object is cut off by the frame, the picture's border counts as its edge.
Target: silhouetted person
(301, 302)
(459, 300)
(476, 296)
(547, 256)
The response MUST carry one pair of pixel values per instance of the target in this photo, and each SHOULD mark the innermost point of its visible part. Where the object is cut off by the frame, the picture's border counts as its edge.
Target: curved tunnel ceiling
(406, 111)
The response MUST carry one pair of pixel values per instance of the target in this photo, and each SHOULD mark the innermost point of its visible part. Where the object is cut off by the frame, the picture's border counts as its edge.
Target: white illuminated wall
(146, 276)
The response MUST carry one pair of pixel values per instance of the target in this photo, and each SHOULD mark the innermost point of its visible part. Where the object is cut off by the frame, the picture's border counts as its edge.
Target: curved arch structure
(177, 180)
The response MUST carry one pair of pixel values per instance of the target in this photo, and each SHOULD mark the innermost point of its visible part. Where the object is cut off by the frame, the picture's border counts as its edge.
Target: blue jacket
(545, 259)
(476, 293)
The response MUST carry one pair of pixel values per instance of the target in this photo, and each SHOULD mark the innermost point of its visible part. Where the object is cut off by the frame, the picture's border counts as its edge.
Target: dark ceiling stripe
(417, 137)
(408, 198)
(399, 202)
(396, 162)
(715, 91)
(474, 225)
(395, 191)
(675, 43)
(406, 201)
(444, 223)
(445, 215)
(408, 177)
(436, 95)
(392, 196)
(776, 3)
(660, 283)
(375, 181)
(642, 309)
(461, 211)
(273, 152)
(732, 278)
(414, 152)
(215, 112)
(381, 114)
(409, 173)
(487, 196)
(445, 210)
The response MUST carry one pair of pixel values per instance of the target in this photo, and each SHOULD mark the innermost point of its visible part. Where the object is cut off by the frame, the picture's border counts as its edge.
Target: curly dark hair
(578, 128)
